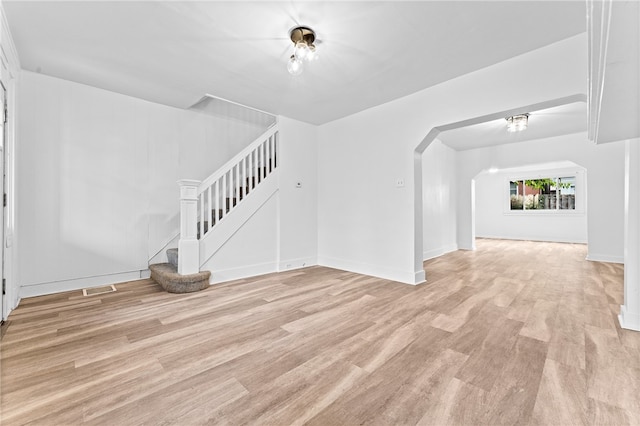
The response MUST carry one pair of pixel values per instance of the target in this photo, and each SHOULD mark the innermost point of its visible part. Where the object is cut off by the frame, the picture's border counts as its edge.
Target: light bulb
(312, 55)
(301, 50)
(294, 66)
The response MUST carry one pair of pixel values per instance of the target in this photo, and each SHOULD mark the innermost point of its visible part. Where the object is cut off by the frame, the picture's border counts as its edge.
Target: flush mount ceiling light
(303, 48)
(517, 123)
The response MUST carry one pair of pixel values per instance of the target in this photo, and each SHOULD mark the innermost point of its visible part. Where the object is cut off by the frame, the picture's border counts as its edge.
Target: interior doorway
(465, 214)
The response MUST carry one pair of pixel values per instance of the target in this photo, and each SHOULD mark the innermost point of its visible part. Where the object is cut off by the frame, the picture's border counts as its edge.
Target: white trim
(77, 283)
(543, 212)
(580, 191)
(220, 276)
(538, 238)
(431, 254)
(595, 257)
(236, 159)
(301, 262)
(628, 320)
(210, 96)
(405, 277)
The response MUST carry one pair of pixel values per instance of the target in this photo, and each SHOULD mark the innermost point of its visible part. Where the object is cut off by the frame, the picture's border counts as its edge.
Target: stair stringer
(224, 230)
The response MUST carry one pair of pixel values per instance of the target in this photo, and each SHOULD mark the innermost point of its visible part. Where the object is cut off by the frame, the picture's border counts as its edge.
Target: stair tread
(169, 279)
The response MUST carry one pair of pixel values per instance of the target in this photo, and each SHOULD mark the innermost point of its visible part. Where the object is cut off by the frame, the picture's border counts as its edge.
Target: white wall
(604, 166)
(252, 250)
(282, 234)
(97, 172)
(298, 226)
(438, 200)
(368, 225)
(495, 219)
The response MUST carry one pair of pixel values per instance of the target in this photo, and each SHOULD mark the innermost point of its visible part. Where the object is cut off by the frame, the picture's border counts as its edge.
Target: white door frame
(3, 227)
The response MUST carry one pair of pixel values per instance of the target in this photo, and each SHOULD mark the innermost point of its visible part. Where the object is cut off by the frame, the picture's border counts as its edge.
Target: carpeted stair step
(172, 256)
(167, 276)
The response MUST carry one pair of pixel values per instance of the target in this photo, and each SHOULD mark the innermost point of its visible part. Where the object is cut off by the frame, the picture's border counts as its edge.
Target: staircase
(211, 211)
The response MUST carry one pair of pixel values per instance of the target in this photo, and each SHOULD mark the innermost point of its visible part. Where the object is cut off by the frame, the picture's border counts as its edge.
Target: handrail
(219, 194)
(236, 159)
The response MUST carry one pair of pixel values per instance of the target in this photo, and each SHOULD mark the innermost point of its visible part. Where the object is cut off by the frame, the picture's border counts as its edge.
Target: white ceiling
(556, 121)
(370, 53)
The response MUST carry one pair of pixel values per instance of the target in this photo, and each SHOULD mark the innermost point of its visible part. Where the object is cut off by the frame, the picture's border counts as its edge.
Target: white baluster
(238, 183)
(273, 152)
(210, 207)
(277, 149)
(250, 184)
(268, 148)
(264, 160)
(259, 161)
(217, 200)
(230, 190)
(229, 200)
(224, 195)
(244, 177)
(201, 200)
(255, 167)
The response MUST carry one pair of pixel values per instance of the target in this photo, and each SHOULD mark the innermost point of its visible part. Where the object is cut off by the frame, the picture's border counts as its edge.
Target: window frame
(580, 192)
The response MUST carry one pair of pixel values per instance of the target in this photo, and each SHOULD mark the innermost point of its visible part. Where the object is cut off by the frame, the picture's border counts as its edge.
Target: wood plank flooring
(512, 333)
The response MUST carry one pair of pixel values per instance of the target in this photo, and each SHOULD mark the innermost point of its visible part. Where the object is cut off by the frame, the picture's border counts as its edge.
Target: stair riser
(172, 257)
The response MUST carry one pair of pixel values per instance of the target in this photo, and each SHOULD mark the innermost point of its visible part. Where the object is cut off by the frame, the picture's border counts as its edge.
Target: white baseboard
(628, 320)
(547, 239)
(145, 273)
(431, 254)
(220, 276)
(9, 310)
(302, 262)
(405, 277)
(77, 284)
(594, 257)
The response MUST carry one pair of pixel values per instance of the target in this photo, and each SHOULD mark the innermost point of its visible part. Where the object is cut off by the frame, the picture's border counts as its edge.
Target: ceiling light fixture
(517, 123)
(303, 48)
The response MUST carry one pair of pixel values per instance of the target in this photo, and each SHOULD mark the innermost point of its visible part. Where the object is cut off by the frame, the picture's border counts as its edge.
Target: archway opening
(465, 218)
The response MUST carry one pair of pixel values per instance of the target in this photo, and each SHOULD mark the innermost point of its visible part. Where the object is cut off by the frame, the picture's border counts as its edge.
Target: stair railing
(205, 204)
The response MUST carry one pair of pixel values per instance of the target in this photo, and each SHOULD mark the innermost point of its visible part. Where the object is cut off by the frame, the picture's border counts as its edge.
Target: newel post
(188, 246)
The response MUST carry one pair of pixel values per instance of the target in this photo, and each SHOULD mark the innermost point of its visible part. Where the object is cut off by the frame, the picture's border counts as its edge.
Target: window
(551, 193)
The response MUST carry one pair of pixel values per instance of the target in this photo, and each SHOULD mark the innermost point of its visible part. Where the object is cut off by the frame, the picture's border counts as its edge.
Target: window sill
(552, 213)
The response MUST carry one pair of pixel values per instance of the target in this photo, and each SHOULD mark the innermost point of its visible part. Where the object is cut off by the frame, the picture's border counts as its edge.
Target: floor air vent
(98, 290)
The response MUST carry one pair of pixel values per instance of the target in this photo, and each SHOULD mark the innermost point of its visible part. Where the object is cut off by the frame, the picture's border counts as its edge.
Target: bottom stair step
(167, 276)
(172, 256)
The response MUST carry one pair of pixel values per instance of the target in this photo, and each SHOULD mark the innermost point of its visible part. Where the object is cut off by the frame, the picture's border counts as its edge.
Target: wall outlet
(399, 183)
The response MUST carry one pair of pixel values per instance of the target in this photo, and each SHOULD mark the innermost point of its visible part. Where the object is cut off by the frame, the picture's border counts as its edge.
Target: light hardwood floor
(513, 333)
